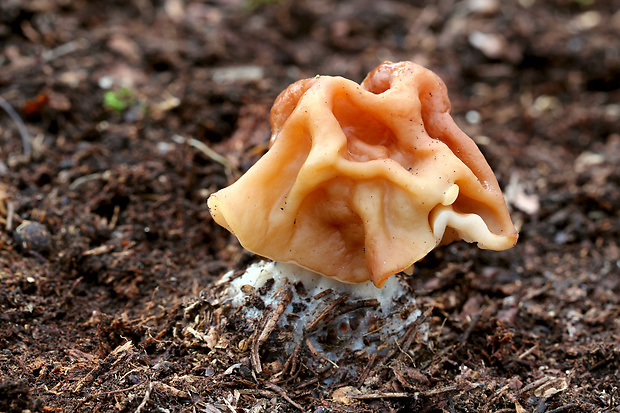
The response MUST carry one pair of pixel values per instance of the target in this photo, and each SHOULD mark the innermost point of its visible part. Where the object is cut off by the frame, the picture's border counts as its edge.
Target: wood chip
(285, 298)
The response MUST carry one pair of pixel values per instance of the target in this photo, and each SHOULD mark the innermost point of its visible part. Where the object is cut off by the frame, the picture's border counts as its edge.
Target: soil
(107, 286)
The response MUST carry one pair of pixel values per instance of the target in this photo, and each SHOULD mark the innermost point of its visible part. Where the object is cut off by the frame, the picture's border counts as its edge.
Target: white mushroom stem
(354, 316)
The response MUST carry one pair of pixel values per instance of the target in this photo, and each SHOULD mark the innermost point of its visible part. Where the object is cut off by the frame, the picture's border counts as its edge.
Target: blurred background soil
(115, 243)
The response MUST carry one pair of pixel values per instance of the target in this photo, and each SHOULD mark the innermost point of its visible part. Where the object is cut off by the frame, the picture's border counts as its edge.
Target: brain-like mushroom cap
(362, 181)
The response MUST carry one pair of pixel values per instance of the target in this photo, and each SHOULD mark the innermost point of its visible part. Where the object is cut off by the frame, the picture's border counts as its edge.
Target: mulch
(134, 112)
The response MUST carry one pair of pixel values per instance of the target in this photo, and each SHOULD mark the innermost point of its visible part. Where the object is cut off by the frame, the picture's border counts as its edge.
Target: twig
(229, 405)
(65, 49)
(20, 126)
(440, 390)
(147, 396)
(367, 369)
(101, 249)
(3, 197)
(379, 395)
(498, 394)
(534, 384)
(317, 354)
(314, 379)
(402, 394)
(294, 371)
(9, 216)
(285, 396)
(326, 368)
(527, 352)
(114, 219)
(90, 177)
(311, 325)
(562, 408)
(210, 153)
(271, 323)
(352, 307)
(470, 328)
(107, 393)
(418, 322)
(291, 362)
(295, 357)
(323, 294)
(405, 341)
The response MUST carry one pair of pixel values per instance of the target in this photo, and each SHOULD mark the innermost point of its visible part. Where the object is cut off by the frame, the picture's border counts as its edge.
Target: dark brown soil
(95, 303)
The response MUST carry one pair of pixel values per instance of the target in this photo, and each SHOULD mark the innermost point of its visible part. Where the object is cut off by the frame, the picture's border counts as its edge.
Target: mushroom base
(292, 309)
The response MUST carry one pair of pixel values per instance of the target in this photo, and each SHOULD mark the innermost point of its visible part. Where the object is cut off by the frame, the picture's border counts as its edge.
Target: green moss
(118, 100)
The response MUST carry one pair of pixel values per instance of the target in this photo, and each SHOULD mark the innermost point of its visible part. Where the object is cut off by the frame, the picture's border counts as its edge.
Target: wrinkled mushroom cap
(362, 181)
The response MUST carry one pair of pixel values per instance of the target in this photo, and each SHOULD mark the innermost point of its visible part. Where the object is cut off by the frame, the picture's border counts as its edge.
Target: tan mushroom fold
(362, 181)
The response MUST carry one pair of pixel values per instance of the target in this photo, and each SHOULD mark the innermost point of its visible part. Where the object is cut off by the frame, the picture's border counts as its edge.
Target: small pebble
(473, 117)
(492, 45)
(106, 82)
(33, 236)
(488, 7)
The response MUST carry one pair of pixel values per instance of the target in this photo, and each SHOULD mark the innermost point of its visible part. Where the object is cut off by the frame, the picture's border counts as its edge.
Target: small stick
(417, 324)
(440, 390)
(313, 380)
(370, 396)
(352, 307)
(90, 177)
(308, 382)
(9, 216)
(20, 126)
(321, 370)
(470, 328)
(271, 323)
(312, 349)
(291, 362)
(323, 293)
(114, 219)
(107, 393)
(310, 326)
(294, 371)
(316, 353)
(497, 394)
(65, 49)
(147, 396)
(527, 352)
(562, 408)
(210, 153)
(412, 330)
(367, 369)
(404, 342)
(536, 383)
(282, 393)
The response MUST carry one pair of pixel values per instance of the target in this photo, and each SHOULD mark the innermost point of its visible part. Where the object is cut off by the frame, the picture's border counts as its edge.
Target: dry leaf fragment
(519, 408)
(346, 395)
(552, 387)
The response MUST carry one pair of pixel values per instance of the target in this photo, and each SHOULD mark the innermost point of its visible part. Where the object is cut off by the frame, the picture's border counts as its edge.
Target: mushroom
(362, 181)
(304, 308)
